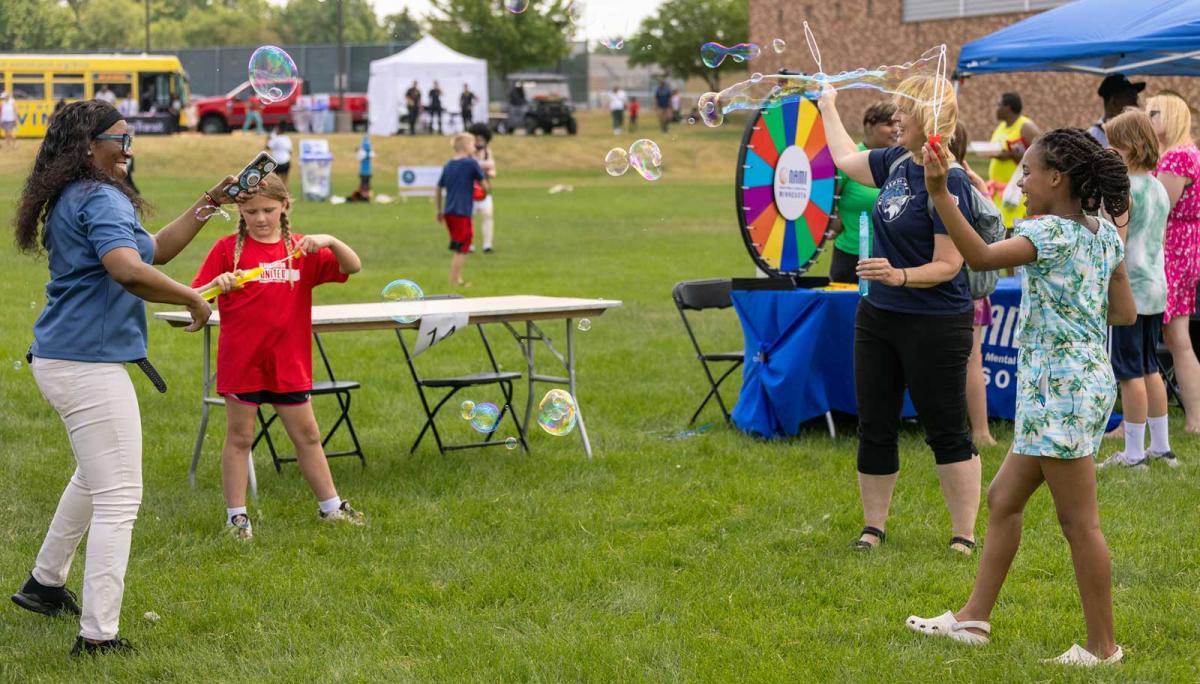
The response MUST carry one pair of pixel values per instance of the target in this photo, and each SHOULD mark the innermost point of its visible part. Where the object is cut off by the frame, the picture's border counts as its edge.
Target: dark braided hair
(61, 160)
(1098, 176)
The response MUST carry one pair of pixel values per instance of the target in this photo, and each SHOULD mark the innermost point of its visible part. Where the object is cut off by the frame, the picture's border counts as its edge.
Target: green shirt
(1144, 246)
(855, 199)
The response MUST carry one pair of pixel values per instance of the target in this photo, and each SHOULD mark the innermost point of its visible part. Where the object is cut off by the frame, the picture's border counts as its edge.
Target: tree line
(537, 37)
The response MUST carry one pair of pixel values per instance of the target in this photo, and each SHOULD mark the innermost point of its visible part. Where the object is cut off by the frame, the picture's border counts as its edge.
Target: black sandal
(962, 541)
(860, 545)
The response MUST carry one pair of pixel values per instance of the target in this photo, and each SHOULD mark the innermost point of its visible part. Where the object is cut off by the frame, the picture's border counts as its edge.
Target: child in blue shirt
(457, 183)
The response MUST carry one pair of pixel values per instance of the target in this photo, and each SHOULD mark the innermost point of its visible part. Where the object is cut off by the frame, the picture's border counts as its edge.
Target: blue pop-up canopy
(1101, 37)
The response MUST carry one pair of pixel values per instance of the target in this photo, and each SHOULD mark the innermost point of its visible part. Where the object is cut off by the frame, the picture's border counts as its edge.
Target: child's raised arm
(348, 261)
(979, 255)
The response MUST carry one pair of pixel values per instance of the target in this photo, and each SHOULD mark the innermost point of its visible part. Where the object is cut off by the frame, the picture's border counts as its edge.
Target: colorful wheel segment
(785, 185)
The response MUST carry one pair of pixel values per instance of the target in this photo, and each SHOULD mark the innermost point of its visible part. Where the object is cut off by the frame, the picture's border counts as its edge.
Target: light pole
(341, 64)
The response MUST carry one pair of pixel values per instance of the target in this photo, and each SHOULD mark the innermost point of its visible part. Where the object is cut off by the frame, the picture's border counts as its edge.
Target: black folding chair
(504, 380)
(700, 295)
(340, 389)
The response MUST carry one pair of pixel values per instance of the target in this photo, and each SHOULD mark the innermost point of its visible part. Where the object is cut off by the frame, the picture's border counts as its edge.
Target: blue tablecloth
(800, 356)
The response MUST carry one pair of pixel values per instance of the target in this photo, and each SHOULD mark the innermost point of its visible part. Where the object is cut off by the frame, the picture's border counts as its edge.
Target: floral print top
(1064, 299)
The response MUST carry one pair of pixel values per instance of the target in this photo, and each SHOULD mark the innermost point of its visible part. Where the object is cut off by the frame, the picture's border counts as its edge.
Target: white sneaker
(239, 527)
(1078, 655)
(948, 626)
(344, 514)
(1118, 460)
(1167, 457)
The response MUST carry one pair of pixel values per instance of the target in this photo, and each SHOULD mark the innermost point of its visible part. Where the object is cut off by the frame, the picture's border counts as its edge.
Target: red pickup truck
(221, 113)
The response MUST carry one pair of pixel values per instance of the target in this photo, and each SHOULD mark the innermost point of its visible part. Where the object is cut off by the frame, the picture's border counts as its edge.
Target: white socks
(230, 512)
(1135, 441)
(1159, 440)
(330, 505)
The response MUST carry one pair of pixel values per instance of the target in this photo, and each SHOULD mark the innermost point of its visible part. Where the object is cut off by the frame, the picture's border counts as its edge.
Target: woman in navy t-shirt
(913, 329)
(93, 324)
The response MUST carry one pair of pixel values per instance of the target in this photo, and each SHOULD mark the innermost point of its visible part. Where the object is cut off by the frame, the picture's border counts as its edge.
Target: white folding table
(511, 311)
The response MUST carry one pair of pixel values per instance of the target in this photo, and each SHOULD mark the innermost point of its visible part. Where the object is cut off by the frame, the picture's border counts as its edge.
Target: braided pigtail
(286, 234)
(241, 241)
(1099, 178)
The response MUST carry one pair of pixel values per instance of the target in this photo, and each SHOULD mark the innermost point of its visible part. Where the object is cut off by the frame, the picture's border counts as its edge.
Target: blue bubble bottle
(864, 248)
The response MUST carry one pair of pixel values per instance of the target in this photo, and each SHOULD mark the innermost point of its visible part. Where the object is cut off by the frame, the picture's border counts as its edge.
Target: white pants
(98, 404)
(486, 224)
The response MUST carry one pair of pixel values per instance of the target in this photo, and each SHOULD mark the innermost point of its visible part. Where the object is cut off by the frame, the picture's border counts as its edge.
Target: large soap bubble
(646, 159)
(402, 290)
(273, 74)
(772, 89)
(712, 54)
(557, 412)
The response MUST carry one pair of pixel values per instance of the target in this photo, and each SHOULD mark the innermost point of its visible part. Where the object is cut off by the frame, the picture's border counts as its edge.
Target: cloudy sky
(602, 18)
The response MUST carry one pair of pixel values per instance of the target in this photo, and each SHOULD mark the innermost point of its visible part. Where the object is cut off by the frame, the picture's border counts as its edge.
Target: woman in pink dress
(1179, 171)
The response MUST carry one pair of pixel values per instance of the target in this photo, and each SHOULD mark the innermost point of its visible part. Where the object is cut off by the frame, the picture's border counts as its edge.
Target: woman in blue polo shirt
(913, 329)
(95, 322)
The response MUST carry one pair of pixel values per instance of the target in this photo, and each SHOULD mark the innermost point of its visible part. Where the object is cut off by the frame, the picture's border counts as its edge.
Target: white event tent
(425, 61)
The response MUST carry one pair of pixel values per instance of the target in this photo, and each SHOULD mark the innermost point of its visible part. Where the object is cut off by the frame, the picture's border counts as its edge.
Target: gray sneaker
(1167, 457)
(344, 514)
(239, 527)
(1118, 460)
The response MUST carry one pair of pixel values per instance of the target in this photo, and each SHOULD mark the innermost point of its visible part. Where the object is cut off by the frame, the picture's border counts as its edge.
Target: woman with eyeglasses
(94, 322)
(1178, 171)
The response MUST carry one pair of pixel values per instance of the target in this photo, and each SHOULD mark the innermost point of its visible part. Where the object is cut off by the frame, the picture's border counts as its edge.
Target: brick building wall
(868, 33)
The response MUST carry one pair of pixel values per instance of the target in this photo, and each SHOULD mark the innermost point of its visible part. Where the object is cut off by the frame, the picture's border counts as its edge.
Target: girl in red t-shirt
(264, 351)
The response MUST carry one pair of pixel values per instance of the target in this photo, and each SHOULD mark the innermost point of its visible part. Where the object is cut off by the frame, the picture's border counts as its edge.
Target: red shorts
(461, 232)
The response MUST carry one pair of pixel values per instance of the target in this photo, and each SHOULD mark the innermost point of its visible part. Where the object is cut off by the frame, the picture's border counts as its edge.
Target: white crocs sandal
(948, 626)
(1078, 655)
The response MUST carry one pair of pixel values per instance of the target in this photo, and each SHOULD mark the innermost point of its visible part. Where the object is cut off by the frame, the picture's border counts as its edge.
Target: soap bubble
(516, 6)
(778, 45)
(771, 89)
(208, 211)
(755, 77)
(273, 74)
(616, 162)
(467, 409)
(646, 159)
(511, 443)
(614, 43)
(691, 120)
(712, 54)
(584, 325)
(486, 417)
(17, 365)
(557, 412)
(402, 290)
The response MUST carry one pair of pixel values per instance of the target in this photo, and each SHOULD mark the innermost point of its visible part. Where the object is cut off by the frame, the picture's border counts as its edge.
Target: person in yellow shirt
(1015, 133)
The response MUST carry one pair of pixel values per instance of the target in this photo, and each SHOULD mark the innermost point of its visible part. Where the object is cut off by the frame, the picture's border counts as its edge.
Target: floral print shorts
(1065, 395)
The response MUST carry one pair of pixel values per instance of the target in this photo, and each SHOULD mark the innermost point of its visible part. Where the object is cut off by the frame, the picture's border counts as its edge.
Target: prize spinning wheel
(785, 185)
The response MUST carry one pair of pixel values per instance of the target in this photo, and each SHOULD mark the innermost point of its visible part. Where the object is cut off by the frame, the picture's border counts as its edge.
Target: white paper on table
(985, 148)
(437, 327)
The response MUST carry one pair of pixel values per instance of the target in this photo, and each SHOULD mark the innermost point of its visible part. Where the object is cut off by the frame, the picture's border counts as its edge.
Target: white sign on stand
(437, 327)
(418, 181)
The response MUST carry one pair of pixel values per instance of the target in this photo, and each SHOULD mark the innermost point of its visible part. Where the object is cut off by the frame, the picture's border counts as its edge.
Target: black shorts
(843, 267)
(283, 168)
(1135, 347)
(268, 397)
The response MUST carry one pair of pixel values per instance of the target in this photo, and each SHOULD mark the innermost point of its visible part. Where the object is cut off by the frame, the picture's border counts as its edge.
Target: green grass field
(715, 557)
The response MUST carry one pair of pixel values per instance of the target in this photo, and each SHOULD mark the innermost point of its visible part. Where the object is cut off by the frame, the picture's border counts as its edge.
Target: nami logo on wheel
(793, 183)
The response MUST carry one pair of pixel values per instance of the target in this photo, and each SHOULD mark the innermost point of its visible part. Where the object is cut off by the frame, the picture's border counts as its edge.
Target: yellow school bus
(151, 90)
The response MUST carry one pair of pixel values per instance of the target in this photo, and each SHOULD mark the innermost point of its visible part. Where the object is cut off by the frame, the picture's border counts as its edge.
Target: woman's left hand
(878, 269)
(312, 243)
(217, 192)
(937, 167)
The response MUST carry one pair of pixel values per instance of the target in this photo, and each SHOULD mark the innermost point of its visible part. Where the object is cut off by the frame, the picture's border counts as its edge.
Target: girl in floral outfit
(1073, 285)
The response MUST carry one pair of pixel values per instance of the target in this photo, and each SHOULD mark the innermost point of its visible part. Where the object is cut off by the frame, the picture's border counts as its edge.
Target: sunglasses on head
(125, 138)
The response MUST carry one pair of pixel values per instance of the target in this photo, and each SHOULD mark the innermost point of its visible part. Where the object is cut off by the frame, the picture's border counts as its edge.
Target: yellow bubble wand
(252, 274)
